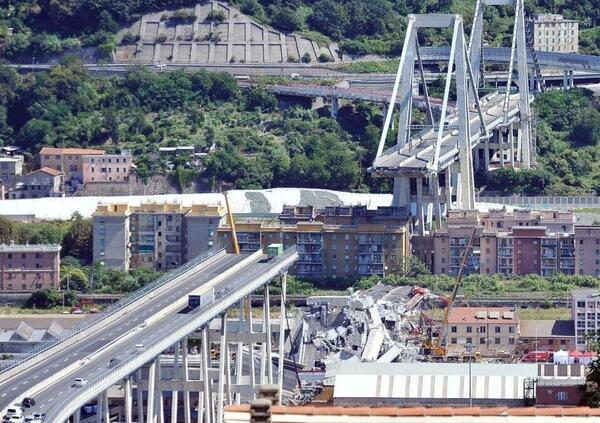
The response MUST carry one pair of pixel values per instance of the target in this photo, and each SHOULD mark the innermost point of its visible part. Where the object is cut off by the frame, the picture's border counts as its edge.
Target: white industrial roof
(431, 381)
(268, 201)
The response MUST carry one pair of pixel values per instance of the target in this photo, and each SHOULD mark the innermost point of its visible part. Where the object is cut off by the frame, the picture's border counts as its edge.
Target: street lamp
(469, 347)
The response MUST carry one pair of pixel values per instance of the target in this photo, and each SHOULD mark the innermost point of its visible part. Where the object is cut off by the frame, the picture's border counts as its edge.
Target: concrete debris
(382, 324)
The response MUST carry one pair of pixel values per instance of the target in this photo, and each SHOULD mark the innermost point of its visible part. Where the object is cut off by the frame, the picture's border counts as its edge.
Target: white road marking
(45, 371)
(3, 395)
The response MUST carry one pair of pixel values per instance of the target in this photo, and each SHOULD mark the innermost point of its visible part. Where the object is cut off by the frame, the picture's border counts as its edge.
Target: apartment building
(489, 330)
(334, 242)
(160, 236)
(10, 169)
(518, 242)
(29, 267)
(547, 335)
(587, 244)
(41, 183)
(67, 160)
(107, 167)
(585, 312)
(552, 32)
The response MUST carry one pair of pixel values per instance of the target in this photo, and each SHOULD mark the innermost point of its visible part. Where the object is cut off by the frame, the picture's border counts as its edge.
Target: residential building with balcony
(552, 32)
(334, 242)
(516, 242)
(159, 236)
(585, 312)
(29, 267)
(107, 167)
(489, 330)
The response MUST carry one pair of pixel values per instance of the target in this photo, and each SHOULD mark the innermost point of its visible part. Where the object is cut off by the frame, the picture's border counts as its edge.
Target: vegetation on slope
(360, 26)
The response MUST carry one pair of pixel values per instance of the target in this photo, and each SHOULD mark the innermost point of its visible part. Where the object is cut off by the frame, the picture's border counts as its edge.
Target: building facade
(333, 243)
(67, 160)
(489, 330)
(585, 312)
(160, 236)
(10, 169)
(547, 335)
(516, 242)
(552, 32)
(41, 183)
(107, 167)
(29, 267)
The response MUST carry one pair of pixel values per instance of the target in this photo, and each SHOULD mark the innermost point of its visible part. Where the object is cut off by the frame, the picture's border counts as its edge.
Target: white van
(14, 410)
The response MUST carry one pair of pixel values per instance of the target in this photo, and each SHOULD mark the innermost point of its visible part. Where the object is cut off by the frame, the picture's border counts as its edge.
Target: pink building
(29, 267)
(67, 160)
(107, 167)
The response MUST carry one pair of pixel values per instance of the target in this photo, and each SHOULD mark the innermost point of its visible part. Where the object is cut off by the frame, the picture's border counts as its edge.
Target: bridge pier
(335, 107)
(282, 322)
(128, 400)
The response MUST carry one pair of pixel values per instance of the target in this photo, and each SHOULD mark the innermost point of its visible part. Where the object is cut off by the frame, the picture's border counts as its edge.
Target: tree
(49, 298)
(587, 129)
(408, 266)
(285, 18)
(330, 18)
(78, 239)
(260, 98)
(76, 277)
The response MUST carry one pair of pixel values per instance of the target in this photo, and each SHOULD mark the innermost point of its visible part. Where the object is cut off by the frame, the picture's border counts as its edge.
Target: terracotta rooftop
(365, 412)
(476, 315)
(52, 150)
(47, 170)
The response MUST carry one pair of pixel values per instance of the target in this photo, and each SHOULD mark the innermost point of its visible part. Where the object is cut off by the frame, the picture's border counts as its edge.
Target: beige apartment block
(159, 236)
(552, 32)
(67, 160)
(107, 167)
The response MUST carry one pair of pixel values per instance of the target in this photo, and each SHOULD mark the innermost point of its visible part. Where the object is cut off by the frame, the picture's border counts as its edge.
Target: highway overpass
(155, 317)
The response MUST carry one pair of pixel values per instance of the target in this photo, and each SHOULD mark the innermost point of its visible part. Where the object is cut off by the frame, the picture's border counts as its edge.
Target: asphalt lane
(54, 394)
(14, 387)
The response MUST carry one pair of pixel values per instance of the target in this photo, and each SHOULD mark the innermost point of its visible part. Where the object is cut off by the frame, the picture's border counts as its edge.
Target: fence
(108, 311)
(544, 202)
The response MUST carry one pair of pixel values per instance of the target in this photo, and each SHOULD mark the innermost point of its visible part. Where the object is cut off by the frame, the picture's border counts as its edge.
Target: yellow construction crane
(234, 240)
(437, 347)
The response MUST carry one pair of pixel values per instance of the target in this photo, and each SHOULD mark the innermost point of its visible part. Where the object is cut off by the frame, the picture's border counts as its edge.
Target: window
(511, 341)
(511, 329)
(563, 342)
(10, 255)
(497, 341)
(470, 341)
(497, 329)
(453, 329)
(481, 329)
(23, 256)
(469, 329)
(550, 341)
(561, 396)
(453, 341)
(482, 341)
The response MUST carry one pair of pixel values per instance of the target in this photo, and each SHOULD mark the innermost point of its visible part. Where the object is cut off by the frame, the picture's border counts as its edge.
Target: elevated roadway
(157, 317)
(416, 157)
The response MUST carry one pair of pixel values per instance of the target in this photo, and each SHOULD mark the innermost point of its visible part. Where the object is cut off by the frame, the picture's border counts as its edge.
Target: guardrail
(569, 202)
(153, 349)
(108, 311)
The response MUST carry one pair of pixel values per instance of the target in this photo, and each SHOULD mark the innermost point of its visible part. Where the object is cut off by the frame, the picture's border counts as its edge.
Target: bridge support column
(205, 376)
(267, 330)
(501, 146)
(176, 375)
(251, 348)
(437, 205)
(99, 408)
(150, 409)
(139, 396)
(105, 408)
(335, 107)
(77, 416)
(511, 144)
(282, 323)
(186, 377)
(565, 85)
(160, 409)
(448, 180)
(239, 354)
(401, 197)
(223, 362)
(420, 216)
(174, 404)
(128, 400)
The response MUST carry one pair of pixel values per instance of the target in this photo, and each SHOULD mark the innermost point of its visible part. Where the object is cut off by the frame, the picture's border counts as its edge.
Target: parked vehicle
(139, 347)
(14, 410)
(114, 362)
(538, 357)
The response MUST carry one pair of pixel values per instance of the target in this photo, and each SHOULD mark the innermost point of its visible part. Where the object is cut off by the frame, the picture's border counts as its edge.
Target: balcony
(370, 239)
(366, 249)
(310, 248)
(370, 259)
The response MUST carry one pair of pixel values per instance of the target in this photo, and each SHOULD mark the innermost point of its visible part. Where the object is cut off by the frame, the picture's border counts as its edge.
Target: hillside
(43, 27)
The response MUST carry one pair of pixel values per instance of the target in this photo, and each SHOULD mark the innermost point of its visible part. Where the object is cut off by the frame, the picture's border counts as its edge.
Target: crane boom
(443, 331)
(234, 240)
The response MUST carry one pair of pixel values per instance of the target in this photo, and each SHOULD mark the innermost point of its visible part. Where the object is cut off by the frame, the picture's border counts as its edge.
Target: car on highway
(32, 419)
(79, 382)
(27, 402)
(13, 419)
(138, 348)
(114, 362)
(14, 410)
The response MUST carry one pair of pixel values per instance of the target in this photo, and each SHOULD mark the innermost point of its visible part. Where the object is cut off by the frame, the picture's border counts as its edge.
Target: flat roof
(29, 248)
(547, 328)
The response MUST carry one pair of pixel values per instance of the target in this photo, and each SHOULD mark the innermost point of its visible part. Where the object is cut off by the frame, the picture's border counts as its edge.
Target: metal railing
(153, 349)
(111, 309)
(592, 201)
